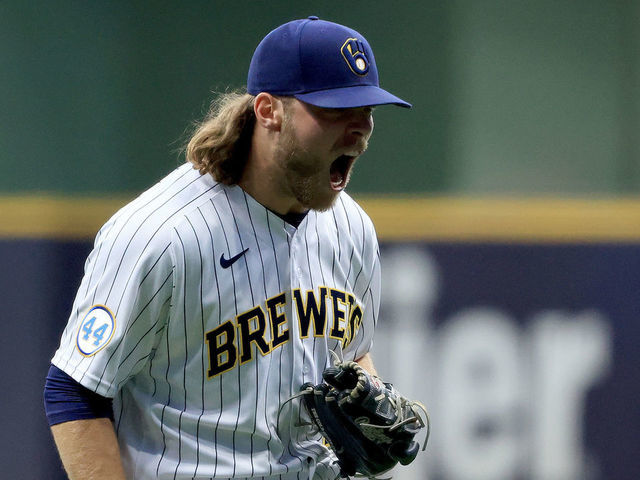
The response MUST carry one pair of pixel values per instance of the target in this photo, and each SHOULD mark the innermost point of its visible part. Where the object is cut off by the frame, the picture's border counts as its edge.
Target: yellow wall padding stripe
(506, 219)
(56, 217)
(447, 219)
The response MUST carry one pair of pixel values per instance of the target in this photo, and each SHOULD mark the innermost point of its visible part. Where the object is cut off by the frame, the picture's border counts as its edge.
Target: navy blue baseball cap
(318, 62)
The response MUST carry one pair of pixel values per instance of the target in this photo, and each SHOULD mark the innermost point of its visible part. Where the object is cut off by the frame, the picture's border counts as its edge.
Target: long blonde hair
(220, 143)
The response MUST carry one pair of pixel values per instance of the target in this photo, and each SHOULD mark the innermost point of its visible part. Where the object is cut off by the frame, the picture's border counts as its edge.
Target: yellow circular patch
(95, 331)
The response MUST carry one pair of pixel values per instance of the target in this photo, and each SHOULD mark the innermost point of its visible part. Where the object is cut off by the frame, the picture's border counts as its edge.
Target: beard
(306, 176)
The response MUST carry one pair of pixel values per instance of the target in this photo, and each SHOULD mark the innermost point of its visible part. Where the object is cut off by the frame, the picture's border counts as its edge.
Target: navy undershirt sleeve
(66, 400)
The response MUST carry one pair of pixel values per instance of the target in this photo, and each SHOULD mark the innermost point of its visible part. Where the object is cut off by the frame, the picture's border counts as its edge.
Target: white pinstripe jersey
(200, 358)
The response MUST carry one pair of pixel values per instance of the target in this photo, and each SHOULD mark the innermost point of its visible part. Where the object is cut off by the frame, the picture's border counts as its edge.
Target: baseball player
(209, 300)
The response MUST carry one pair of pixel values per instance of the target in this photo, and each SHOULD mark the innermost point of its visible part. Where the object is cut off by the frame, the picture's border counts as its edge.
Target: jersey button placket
(296, 269)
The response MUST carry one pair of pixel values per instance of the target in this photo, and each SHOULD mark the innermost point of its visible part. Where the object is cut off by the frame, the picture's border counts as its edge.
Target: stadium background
(506, 202)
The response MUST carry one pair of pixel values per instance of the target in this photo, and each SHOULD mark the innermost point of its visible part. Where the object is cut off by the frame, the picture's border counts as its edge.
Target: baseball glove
(368, 424)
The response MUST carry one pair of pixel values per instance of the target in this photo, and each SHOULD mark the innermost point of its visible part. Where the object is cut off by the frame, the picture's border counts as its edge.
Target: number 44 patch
(95, 331)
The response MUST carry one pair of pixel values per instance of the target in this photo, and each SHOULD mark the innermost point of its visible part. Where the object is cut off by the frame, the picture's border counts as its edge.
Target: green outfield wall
(519, 98)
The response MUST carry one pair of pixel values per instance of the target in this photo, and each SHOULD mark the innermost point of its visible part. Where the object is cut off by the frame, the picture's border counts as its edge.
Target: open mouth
(339, 171)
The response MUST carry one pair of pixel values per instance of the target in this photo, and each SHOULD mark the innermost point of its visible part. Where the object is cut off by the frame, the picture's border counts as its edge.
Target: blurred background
(506, 202)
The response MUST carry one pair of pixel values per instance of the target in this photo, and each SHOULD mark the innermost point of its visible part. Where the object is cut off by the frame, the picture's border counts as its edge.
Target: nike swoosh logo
(224, 263)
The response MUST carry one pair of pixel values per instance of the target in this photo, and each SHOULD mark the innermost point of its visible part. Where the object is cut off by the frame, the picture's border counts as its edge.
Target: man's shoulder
(181, 189)
(350, 220)
(153, 214)
(348, 208)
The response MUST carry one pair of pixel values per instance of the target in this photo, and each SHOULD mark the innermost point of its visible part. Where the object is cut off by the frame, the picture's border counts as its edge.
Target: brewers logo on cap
(353, 52)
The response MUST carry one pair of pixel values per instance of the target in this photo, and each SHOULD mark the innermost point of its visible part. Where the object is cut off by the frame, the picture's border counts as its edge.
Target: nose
(361, 122)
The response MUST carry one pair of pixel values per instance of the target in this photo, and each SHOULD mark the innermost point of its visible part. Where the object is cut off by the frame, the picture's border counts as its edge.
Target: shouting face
(317, 149)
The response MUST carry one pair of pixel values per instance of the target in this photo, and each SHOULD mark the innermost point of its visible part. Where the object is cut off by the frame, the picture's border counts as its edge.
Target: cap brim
(351, 97)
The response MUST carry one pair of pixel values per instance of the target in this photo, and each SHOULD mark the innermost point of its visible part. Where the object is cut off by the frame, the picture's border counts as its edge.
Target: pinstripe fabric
(203, 358)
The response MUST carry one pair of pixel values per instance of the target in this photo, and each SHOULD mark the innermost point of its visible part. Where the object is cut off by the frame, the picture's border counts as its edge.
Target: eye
(334, 112)
(342, 112)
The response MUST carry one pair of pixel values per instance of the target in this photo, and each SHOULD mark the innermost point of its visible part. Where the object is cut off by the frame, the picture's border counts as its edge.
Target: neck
(264, 180)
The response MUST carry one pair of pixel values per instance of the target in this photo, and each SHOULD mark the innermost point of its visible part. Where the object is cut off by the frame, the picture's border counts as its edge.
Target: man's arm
(366, 362)
(82, 427)
(89, 449)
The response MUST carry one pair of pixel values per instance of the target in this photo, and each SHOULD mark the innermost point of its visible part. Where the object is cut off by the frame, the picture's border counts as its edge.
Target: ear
(269, 111)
